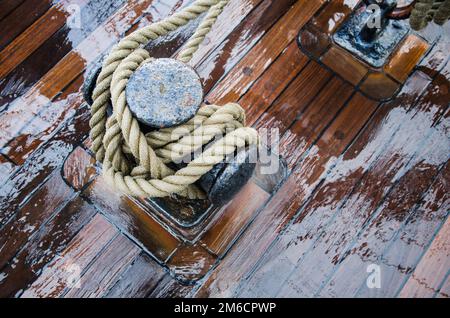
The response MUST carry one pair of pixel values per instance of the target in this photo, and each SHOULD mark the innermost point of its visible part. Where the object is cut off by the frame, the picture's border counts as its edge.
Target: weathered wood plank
(189, 263)
(45, 125)
(414, 233)
(237, 214)
(272, 82)
(43, 247)
(7, 6)
(238, 81)
(126, 213)
(105, 270)
(27, 71)
(283, 254)
(138, 280)
(21, 185)
(28, 219)
(224, 281)
(319, 214)
(171, 288)
(33, 37)
(432, 269)
(81, 251)
(79, 169)
(20, 18)
(444, 292)
(7, 168)
(343, 217)
(233, 15)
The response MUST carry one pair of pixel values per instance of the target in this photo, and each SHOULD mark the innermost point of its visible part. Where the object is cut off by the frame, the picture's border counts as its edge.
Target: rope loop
(136, 163)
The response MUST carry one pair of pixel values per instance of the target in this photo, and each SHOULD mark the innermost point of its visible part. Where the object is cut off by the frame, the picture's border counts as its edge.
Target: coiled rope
(425, 11)
(136, 163)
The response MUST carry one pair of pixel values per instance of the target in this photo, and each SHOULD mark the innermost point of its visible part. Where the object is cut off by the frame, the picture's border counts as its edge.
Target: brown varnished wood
(239, 80)
(232, 18)
(106, 269)
(43, 247)
(79, 169)
(53, 195)
(33, 67)
(191, 262)
(138, 223)
(263, 230)
(240, 211)
(29, 40)
(270, 85)
(139, 279)
(18, 187)
(367, 183)
(69, 67)
(7, 6)
(20, 18)
(88, 243)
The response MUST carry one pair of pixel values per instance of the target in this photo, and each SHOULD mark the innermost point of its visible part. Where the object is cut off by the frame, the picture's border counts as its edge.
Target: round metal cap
(164, 93)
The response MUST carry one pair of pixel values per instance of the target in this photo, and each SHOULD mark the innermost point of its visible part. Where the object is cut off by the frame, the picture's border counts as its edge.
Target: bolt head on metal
(164, 93)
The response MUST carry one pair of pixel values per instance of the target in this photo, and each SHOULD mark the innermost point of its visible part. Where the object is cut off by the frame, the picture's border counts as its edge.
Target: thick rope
(135, 163)
(429, 10)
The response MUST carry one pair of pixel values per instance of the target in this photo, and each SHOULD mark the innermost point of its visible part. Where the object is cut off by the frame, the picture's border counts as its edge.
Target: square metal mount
(376, 52)
(190, 218)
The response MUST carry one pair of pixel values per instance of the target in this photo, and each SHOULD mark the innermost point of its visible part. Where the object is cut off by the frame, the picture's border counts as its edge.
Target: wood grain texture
(32, 174)
(79, 169)
(29, 40)
(84, 18)
(367, 183)
(36, 212)
(432, 269)
(43, 247)
(239, 80)
(132, 218)
(225, 279)
(81, 251)
(7, 6)
(139, 279)
(23, 15)
(171, 288)
(105, 270)
(237, 214)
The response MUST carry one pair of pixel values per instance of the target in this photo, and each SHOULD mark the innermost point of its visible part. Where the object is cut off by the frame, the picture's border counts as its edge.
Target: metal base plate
(188, 218)
(374, 53)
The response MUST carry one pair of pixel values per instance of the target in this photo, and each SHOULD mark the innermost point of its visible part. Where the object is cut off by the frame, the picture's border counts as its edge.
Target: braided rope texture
(136, 163)
(426, 11)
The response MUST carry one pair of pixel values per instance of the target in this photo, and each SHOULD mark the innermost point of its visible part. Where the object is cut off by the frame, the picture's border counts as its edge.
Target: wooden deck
(368, 181)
